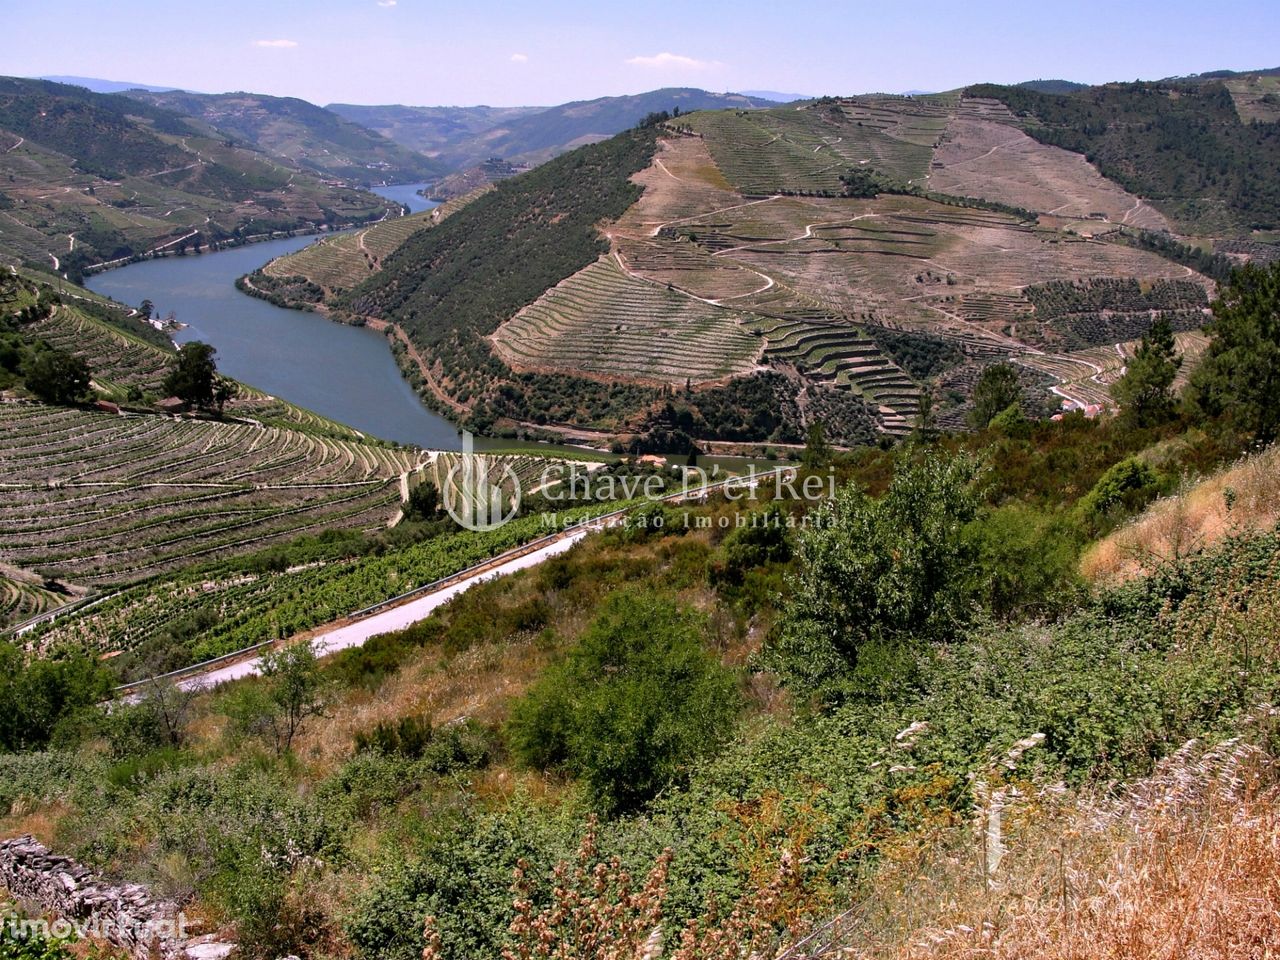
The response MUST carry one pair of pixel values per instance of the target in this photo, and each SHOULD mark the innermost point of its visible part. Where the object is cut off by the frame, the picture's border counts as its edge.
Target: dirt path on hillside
(438, 391)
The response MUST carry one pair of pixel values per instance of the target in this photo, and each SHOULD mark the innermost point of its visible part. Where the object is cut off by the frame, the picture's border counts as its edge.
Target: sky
(424, 52)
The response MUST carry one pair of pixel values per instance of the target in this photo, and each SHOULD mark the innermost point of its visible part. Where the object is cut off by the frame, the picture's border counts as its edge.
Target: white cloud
(519, 58)
(386, 3)
(672, 61)
(276, 44)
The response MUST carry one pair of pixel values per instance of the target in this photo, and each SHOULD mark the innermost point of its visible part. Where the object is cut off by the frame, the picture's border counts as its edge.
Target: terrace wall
(127, 916)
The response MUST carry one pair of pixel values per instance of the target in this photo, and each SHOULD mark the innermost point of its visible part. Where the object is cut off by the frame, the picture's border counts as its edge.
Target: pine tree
(1145, 392)
(1239, 378)
(996, 391)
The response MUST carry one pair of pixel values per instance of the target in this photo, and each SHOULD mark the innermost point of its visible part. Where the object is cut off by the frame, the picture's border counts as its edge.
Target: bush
(880, 570)
(1026, 562)
(36, 697)
(631, 706)
(763, 540)
(1125, 488)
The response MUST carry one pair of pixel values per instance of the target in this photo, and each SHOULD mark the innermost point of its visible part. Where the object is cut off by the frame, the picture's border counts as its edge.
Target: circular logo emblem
(481, 493)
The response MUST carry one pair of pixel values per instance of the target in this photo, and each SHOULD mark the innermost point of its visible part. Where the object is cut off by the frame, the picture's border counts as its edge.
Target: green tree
(879, 571)
(293, 691)
(424, 502)
(224, 391)
(634, 702)
(194, 375)
(1145, 392)
(58, 377)
(1239, 377)
(817, 453)
(997, 390)
(37, 695)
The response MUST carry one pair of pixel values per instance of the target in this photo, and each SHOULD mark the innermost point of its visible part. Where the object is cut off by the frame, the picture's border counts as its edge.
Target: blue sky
(426, 52)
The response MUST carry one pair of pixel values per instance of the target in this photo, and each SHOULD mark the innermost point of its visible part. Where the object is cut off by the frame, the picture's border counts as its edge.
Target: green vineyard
(160, 494)
(808, 150)
(604, 322)
(227, 607)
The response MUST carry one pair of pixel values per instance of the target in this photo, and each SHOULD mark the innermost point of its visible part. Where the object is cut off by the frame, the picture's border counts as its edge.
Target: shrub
(1026, 561)
(631, 706)
(1125, 488)
(879, 570)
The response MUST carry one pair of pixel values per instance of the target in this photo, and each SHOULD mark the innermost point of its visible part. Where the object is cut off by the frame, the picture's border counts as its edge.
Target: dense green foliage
(1181, 144)
(451, 286)
(1239, 377)
(1122, 490)
(633, 704)
(37, 695)
(877, 572)
(922, 355)
(1145, 392)
(57, 377)
(18, 943)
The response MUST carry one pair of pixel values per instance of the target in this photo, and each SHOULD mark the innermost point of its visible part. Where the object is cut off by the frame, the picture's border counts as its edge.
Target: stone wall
(126, 916)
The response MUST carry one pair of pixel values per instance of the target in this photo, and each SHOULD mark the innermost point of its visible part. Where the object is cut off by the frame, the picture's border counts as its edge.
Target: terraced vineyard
(526, 470)
(340, 262)
(160, 494)
(118, 360)
(843, 356)
(604, 322)
(20, 600)
(743, 252)
(236, 608)
(1085, 376)
(807, 150)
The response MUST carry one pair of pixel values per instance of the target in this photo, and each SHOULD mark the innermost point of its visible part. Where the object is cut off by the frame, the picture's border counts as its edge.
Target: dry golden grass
(1184, 864)
(1238, 499)
(482, 682)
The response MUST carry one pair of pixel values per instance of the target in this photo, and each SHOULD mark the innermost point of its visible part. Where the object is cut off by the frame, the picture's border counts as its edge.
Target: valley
(673, 525)
(817, 242)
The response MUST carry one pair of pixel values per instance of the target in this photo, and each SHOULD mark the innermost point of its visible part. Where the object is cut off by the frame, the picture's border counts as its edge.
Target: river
(345, 373)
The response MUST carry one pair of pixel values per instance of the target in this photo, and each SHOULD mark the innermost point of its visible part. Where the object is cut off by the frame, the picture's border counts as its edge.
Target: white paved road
(397, 618)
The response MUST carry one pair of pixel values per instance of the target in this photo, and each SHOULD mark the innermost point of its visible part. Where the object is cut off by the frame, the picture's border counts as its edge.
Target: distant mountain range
(777, 97)
(310, 136)
(88, 177)
(98, 85)
(461, 137)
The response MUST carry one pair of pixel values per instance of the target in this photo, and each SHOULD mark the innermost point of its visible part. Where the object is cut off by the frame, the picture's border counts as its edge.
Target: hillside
(460, 138)
(89, 178)
(1005, 688)
(317, 275)
(783, 767)
(301, 133)
(1183, 145)
(878, 249)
